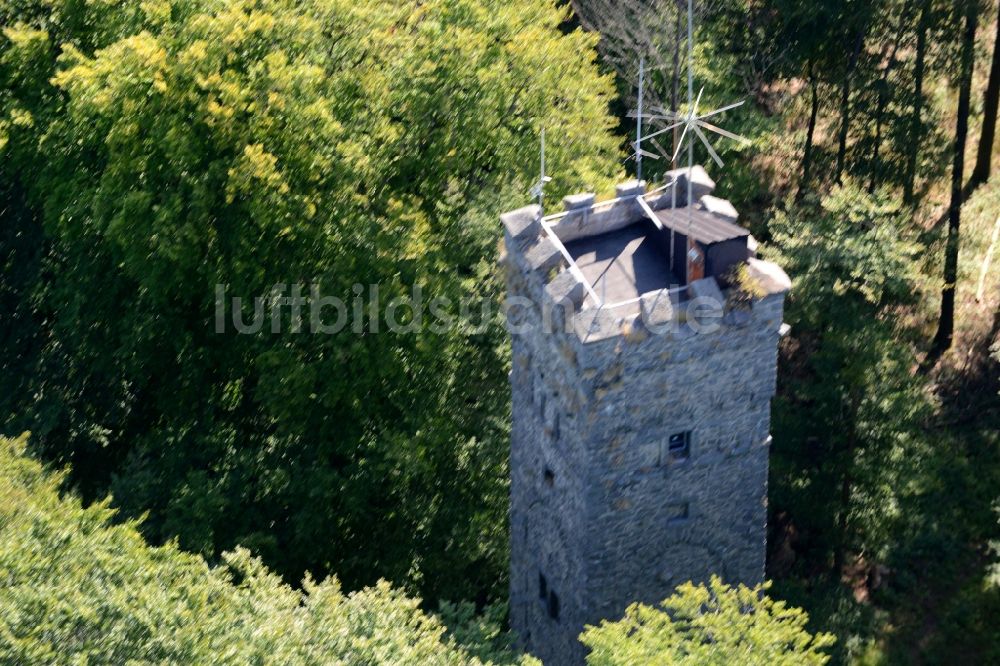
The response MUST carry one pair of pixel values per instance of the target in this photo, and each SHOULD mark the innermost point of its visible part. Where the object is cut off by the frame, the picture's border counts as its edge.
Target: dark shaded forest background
(150, 153)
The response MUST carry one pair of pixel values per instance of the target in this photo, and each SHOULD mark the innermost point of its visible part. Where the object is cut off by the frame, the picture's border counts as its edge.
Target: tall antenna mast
(692, 123)
(541, 173)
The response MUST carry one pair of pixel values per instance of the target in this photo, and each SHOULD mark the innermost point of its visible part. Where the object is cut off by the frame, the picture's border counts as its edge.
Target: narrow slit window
(543, 587)
(550, 477)
(553, 605)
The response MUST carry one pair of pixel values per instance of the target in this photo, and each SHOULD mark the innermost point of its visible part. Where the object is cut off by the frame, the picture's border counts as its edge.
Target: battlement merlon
(620, 268)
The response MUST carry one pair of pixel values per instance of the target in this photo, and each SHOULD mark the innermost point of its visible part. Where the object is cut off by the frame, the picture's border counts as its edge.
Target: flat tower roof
(624, 264)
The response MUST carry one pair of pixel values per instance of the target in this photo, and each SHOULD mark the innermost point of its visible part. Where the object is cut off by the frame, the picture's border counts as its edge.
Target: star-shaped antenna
(538, 190)
(692, 123)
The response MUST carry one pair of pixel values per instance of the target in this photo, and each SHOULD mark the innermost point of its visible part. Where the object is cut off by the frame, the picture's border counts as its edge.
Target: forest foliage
(156, 150)
(81, 588)
(152, 151)
(709, 624)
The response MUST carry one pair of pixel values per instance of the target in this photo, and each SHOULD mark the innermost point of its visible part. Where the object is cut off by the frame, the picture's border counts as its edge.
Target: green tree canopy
(849, 420)
(155, 150)
(80, 589)
(715, 624)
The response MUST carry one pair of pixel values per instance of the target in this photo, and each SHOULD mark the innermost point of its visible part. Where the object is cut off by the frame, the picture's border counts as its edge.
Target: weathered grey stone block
(706, 288)
(769, 276)
(566, 287)
(595, 220)
(577, 201)
(524, 223)
(657, 310)
(701, 183)
(597, 324)
(719, 207)
(543, 256)
(631, 188)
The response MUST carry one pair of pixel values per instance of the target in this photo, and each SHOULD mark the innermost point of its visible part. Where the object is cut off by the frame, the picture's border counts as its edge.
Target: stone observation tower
(644, 337)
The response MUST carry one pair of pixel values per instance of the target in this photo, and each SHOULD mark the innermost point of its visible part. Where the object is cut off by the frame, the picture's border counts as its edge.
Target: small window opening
(553, 605)
(550, 477)
(680, 445)
(543, 587)
(679, 513)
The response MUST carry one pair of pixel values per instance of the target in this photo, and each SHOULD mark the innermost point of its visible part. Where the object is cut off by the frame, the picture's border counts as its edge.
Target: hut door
(696, 263)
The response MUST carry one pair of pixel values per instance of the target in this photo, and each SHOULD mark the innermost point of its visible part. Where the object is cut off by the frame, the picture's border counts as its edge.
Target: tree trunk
(875, 169)
(946, 323)
(981, 172)
(807, 152)
(916, 123)
(845, 103)
(850, 420)
(883, 98)
(846, 488)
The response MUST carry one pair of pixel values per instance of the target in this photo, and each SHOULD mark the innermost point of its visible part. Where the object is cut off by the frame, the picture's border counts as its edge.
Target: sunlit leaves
(177, 146)
(79, 588)
(712, 624)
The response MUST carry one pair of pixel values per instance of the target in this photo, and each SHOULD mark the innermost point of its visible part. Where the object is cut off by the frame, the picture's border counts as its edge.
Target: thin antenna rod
(691, 111)
(538, 189)
(690, 46)
(541, 175)
(638, 121)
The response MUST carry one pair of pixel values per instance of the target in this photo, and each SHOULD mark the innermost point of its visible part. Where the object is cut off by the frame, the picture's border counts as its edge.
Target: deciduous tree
(166, 148)
(708, 624)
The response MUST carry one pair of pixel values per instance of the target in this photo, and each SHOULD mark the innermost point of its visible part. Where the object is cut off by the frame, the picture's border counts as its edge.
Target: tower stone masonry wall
(601, 514)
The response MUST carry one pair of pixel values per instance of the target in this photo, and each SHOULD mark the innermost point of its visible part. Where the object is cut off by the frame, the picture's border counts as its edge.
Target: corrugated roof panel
(704, 227)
